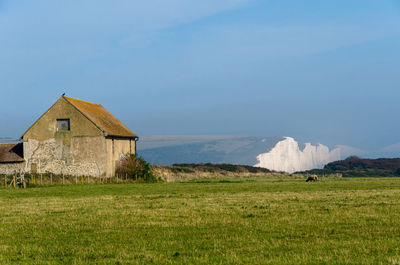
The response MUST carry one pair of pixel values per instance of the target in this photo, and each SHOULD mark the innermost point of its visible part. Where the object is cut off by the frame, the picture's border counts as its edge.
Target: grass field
(258, 221)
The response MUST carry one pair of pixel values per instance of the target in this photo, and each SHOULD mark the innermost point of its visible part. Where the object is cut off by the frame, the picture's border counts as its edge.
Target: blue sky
(319, 71)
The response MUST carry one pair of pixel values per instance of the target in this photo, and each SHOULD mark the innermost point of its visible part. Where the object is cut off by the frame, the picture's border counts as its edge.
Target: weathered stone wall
(116, 148)
(11, 168)
(74, 156)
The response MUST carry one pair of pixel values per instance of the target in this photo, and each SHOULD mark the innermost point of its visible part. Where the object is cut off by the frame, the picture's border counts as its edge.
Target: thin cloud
(112, 16)
(284, 41)
(44, 23)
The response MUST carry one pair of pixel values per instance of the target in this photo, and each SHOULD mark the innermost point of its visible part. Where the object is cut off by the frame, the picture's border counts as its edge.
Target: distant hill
(6, 140)
(282, 154)
(168, 150)
(359, 167)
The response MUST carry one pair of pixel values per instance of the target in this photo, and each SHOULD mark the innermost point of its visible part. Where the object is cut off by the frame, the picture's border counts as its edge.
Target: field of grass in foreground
(259, 221)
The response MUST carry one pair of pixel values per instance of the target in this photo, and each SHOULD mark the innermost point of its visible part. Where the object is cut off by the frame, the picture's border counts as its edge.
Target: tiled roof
(11, 153)
(103, 119)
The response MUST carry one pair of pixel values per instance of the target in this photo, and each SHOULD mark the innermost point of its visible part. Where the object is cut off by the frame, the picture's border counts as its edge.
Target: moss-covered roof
(103, 119)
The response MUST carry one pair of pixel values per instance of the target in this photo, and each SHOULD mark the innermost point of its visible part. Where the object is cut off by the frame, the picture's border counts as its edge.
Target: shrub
(136, 168)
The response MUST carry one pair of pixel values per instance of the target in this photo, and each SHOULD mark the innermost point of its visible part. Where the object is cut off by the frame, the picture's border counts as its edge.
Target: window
(63, 125)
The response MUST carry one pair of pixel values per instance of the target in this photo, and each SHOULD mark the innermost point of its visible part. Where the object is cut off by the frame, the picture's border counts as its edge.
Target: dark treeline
(209, 167)
(358, 167)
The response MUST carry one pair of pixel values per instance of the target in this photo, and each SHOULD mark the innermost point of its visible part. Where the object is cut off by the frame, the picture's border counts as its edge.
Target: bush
(135, 168)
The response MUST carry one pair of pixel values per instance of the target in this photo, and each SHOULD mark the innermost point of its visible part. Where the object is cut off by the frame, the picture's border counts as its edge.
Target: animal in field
(312, 178)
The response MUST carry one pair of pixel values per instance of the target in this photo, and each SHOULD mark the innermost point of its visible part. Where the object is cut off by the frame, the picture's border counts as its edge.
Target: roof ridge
(9, 144)
(80, 100)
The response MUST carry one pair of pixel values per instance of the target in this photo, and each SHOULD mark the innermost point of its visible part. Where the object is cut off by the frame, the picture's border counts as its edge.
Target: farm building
(73, 137)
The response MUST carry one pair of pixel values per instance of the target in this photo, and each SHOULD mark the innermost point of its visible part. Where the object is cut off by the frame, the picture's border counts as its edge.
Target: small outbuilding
(74, 137)
(11, 158)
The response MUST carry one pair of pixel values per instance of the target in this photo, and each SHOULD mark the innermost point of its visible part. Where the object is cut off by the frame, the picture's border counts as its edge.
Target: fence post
(63, 178)
(5, 181)
(41, 179)
(51, 179)
(23, 181)
(14, 181)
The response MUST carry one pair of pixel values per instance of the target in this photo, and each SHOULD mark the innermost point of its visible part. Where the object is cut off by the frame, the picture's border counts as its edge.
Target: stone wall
(11, 168)
(74, 156)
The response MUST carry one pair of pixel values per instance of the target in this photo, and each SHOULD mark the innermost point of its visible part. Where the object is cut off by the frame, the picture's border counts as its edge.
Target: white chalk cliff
(286, 156)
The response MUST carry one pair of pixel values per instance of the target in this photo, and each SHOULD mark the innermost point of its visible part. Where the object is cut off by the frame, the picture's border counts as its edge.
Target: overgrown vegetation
(252, 221)
(179, 172)
(135, 168)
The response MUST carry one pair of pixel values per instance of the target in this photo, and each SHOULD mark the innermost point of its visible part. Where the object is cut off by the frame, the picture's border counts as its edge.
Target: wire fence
(29, 180)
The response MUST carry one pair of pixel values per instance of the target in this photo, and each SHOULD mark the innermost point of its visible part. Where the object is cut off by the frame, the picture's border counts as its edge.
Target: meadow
(208, 221)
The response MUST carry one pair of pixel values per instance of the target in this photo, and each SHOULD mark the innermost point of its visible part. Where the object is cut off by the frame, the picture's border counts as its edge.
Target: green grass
(243, 221)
